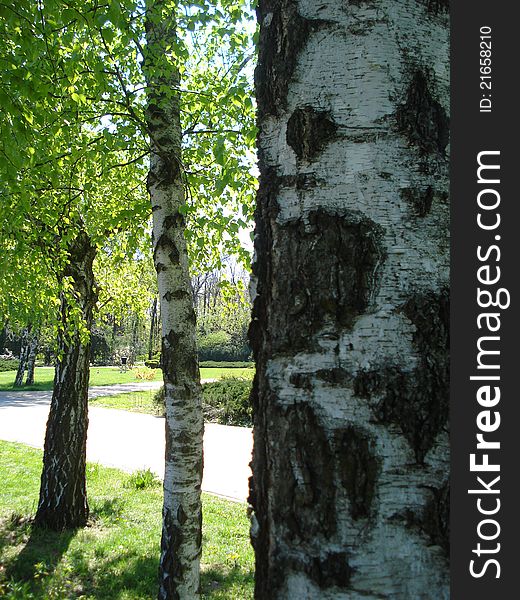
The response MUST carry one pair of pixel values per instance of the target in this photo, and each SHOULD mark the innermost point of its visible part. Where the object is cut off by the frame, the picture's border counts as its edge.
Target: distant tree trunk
(3, 336)
(31, 357)
(63, 498)
(24, 356)
(350, 321)
(182, 516)
(153, 324)
(135, 341)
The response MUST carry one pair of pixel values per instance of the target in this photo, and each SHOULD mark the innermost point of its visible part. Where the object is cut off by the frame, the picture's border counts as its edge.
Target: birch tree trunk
(182, 515)
(31, 358)
(24, 356)
(153, 324)
(63, 497)
(350, 322)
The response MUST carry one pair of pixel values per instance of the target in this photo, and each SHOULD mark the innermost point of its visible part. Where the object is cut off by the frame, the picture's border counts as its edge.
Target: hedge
(8, 364)
(225, 402)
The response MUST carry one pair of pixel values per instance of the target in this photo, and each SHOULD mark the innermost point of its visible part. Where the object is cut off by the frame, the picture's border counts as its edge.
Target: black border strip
(474, 131)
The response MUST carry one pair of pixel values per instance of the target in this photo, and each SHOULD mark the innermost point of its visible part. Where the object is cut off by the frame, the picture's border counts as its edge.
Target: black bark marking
(331, 570)
(422, 119)
(174, 220)
(308, 132)
(358, 469)
(333, 376)
(436, 7)
(182, 517)
(331, 271)
(174, 255)
(301, 181)
(420, 200)
(435, 521)
(418, 401)
(301, 380)
(176, 295)
(159, 267)
(170, 570)
(283, 34)
(305, 491)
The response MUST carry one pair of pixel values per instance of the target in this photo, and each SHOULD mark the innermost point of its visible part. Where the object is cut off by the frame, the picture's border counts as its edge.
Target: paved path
(131, 441)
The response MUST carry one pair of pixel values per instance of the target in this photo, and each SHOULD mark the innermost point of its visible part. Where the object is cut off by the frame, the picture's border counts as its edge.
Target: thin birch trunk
(350, 321)
(153, 321)
(31, 357)
(179, 577)
(63, 497)
(24, 356)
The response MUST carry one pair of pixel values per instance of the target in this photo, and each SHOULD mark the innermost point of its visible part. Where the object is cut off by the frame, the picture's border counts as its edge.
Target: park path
(132, 441)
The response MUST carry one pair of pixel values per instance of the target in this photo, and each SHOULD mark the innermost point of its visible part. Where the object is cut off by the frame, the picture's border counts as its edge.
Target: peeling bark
(63, 496)
(350, 316)
(181, 541)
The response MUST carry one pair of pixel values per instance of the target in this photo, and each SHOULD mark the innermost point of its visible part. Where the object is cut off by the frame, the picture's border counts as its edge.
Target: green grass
(43, 376)
(220, 373)
(116, 556)
(133, 401)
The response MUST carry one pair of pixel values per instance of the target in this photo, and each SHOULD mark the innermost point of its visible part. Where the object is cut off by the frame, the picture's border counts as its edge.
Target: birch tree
(182, 512)
(350, 322)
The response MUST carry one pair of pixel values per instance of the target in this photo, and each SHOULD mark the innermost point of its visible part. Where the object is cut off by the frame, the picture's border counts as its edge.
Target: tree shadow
(215, 581)
(108, 510)
(42, 548)
(108, 574)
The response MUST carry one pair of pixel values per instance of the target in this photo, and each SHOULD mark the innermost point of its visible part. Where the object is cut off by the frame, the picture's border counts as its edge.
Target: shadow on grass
(102, 572)
(216, 582)
(108, 510)
(41, 552)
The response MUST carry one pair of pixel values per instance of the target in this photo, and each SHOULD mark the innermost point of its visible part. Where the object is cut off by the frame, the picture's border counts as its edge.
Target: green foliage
(227, 402)
(220, 346)
(158, 402)
(74, 144)
(152, 364)
(143, 479)
(8, 364)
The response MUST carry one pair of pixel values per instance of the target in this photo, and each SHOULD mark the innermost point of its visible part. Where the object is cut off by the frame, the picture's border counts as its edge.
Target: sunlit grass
(116, 556)
(44, 376)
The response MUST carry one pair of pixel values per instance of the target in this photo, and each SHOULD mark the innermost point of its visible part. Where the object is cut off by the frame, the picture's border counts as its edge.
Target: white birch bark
(182, 515)
(350, 328)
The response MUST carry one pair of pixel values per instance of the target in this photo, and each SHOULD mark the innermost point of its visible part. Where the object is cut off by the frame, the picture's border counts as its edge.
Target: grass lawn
(132, 401)
(116, 556)
(43, 376)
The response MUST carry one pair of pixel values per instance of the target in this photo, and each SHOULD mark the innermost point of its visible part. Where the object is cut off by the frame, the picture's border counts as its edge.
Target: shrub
(143, 479)
(152, 364)
(219, 364)
(219, 345)
(158, 402)
(144, 373)
(225, 402)
(8, 364)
